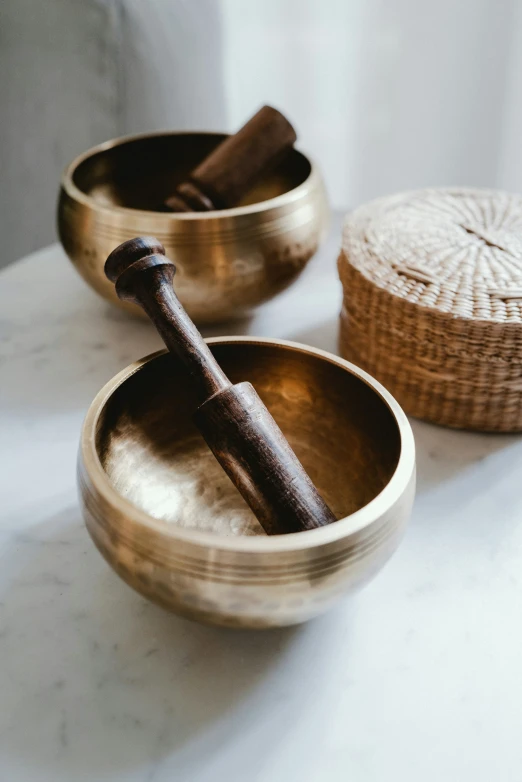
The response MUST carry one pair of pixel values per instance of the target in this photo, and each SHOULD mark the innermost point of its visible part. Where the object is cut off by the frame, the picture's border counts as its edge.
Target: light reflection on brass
(152, 494)
(228, 261)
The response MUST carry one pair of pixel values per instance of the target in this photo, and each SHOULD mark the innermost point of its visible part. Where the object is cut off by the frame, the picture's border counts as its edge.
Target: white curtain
(385, 94)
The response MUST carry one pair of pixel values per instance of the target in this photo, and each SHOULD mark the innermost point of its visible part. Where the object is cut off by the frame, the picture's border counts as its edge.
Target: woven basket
(432, 285)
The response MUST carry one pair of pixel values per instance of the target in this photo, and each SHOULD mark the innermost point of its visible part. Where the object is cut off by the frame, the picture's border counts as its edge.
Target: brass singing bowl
(152, 492)
(227, 261)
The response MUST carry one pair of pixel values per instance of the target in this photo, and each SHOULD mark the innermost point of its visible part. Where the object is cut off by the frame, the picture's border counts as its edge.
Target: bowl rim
(254, 544)
(73, 191)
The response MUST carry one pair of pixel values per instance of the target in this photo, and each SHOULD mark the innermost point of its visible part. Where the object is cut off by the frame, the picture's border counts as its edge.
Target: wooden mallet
(235, 423)
(232, 168)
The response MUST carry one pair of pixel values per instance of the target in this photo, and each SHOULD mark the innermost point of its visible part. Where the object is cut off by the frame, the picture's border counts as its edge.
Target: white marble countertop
(418, 677)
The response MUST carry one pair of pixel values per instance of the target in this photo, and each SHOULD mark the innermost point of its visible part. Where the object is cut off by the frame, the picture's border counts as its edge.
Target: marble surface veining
(416, 677)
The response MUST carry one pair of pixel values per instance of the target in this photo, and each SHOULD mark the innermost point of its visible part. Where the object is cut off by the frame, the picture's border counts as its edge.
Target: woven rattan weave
(432, 306)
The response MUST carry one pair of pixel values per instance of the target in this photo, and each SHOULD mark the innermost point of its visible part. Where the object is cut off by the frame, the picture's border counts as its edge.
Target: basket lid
(455, 250)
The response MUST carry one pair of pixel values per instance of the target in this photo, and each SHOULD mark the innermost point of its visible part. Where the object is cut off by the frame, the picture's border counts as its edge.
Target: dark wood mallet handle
(235, 423)
(229, 172)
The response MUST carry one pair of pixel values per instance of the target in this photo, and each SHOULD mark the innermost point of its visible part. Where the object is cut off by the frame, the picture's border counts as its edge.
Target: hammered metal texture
(228, 261)
(172, 525)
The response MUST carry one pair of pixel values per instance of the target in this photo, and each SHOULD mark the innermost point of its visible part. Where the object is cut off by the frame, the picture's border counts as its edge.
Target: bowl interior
(343, 432)
(140, 173)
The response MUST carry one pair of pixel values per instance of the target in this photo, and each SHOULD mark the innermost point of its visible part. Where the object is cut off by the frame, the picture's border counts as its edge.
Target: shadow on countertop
(96, 681)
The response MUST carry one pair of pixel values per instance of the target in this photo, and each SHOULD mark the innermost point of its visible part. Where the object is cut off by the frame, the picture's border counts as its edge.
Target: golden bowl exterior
(351, 435)
(227, 261)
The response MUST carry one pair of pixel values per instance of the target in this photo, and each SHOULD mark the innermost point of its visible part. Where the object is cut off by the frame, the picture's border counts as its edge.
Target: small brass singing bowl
(166, 517)
(227, 261)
